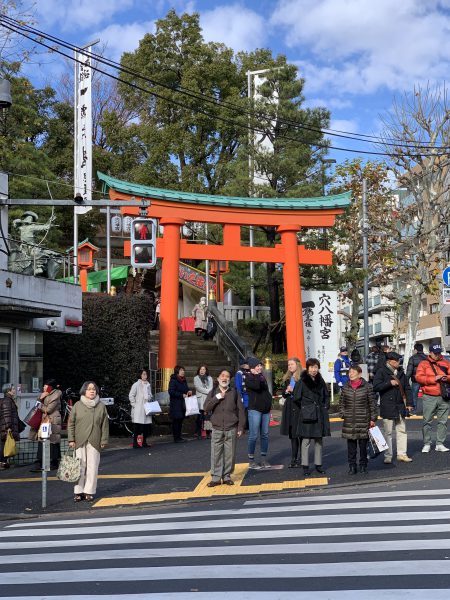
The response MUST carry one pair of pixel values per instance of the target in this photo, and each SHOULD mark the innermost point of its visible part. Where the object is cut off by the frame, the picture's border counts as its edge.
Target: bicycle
(68, 399)
(119, 416)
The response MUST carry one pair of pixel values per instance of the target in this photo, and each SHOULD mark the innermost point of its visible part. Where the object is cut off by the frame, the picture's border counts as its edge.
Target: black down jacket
(357, 408)
(391, 402)
(311, 395)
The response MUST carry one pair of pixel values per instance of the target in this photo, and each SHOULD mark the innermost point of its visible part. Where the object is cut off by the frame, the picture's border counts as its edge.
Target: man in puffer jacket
(432, 375)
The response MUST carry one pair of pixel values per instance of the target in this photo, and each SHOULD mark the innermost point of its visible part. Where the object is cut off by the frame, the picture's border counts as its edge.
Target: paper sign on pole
(320, 319)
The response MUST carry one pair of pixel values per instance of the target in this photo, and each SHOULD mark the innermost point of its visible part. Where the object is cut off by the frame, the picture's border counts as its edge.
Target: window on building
(447, 325)
(5, 359)
(377, 300)
(434, 308)
(30, 361)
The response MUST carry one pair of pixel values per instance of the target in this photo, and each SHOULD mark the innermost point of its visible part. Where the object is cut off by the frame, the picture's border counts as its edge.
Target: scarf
(146, 389)
(394, 371)
(356, 384)
(90, 403)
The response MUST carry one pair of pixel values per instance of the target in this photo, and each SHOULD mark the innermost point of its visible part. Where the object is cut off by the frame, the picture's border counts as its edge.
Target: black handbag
(309, 413)
(445, 387)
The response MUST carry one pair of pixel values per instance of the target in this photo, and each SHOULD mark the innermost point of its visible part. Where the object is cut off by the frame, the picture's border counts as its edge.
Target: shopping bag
(9, 449)
(191, 406)
(69, 469)
(372, 449)
(378, 438)
(34, 417)
(45, 428)
(152, 408)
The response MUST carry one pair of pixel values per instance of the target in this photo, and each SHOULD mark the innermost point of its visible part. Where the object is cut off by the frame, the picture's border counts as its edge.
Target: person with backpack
(432, 375)
(228, 420)
(411, 369)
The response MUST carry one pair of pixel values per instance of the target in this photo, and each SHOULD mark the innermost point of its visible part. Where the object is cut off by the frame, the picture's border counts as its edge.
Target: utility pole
(251, 173)
(365, 232)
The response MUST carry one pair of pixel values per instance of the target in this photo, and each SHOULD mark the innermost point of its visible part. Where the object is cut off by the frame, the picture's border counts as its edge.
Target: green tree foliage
(113, 347)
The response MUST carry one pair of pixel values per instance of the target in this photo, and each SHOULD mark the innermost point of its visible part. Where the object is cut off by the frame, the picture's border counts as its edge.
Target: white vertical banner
(83, 129)
(320, 323)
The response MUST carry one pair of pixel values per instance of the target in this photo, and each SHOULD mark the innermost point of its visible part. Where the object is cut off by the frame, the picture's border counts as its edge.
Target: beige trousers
(400, 430)
(90, 460)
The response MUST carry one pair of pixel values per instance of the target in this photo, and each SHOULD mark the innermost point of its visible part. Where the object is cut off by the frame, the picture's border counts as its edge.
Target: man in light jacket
(228, 420)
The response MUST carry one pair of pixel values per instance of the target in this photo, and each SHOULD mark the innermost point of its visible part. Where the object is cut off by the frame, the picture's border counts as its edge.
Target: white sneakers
(441, 448)
(403, 458)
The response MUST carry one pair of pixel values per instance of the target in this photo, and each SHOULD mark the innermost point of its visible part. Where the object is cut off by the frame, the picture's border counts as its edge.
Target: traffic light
(143, 243)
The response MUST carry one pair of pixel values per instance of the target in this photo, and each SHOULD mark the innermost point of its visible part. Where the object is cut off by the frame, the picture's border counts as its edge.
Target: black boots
(320, 469)
(352, 470)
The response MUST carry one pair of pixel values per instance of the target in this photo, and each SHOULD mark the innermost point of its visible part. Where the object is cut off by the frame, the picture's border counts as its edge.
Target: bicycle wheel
(125, 420)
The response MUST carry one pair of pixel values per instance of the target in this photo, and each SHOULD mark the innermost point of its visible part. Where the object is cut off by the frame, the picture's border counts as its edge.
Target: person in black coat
(311, 395)
(411, 369)
(259, 405)
(178, 391)
(392, 384)
(291, 411)
(357, 409)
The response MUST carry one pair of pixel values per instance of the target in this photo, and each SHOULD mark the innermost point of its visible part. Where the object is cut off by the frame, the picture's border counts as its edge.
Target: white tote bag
(378, 438)
(191, 406)
(152, 408)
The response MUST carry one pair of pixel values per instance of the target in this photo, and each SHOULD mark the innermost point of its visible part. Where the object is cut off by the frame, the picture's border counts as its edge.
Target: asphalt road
(179, 472)
(389, 541)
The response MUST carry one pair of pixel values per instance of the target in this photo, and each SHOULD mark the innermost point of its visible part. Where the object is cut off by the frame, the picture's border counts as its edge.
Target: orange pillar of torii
(288, 215)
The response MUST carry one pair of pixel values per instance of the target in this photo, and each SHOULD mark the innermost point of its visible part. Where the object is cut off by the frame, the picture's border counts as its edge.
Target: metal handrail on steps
(226, 337)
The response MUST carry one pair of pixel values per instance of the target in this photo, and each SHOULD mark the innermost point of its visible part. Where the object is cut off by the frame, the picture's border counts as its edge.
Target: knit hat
(253, 362)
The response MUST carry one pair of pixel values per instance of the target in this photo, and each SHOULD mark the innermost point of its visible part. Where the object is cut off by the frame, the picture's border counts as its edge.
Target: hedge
(112, 348)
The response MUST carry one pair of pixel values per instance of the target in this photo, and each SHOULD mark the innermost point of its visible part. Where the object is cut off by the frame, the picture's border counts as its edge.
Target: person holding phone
(228, 422)
(178, 391)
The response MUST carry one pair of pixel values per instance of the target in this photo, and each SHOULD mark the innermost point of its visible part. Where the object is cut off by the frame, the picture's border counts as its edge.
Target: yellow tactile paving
(203, 491)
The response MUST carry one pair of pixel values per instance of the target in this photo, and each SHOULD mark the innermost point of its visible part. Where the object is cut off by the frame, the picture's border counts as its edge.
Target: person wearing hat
(259, 405)
(413, 362)
(341, 367)
(432, 376)
(395, 400)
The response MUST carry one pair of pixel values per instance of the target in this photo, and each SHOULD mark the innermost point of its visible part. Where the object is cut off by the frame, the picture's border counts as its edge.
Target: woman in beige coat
(50, 400)
(140, 393)
(88, 432)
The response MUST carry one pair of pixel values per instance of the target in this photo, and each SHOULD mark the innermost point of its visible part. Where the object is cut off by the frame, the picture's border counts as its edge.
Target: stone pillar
(292, 293)
(168, 320)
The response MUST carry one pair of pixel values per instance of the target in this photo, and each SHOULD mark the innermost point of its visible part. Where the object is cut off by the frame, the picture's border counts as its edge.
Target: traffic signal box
(143, 243)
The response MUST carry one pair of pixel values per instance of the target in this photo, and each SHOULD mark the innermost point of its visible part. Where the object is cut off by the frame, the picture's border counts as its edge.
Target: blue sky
(355, 55)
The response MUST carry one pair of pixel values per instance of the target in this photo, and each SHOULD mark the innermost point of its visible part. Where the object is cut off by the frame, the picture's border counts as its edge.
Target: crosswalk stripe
(239, 571)
(228, 523)
(341, 497)
(266, 549)
(365, 531)
(387, 594)
(439, 502)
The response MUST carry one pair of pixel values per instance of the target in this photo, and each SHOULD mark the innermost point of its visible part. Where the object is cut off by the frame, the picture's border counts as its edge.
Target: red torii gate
(288, 215)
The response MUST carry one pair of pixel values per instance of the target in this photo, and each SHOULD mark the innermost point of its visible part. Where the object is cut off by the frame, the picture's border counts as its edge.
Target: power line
(17, 29)
(216, 101)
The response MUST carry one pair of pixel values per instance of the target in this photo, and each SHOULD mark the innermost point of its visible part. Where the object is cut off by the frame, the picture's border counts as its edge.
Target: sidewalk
(168, 471)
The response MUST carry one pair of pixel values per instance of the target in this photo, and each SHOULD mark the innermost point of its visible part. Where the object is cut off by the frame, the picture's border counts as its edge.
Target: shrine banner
(320, 322)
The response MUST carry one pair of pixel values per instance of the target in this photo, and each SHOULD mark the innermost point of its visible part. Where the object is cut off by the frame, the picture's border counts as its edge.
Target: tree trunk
(274, 303)
(413, 317)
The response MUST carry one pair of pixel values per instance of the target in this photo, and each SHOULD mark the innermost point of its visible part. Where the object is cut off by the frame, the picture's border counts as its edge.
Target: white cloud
(344, 125)
(361, 46)
(234, 25)
(123, 38)
(79, 14)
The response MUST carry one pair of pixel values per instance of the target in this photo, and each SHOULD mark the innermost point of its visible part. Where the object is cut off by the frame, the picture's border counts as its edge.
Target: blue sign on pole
(446, 276)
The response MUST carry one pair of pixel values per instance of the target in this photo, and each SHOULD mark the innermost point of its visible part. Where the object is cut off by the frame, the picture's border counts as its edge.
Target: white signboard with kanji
(446, 295)
(320, 322)
(83, 129)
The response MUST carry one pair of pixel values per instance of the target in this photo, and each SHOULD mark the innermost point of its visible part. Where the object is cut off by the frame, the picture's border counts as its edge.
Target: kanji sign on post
(143, 243)
(446, 295)
(320, 322)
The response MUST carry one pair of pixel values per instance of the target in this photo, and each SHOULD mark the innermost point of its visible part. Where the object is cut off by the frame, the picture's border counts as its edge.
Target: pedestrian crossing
(390, 544)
